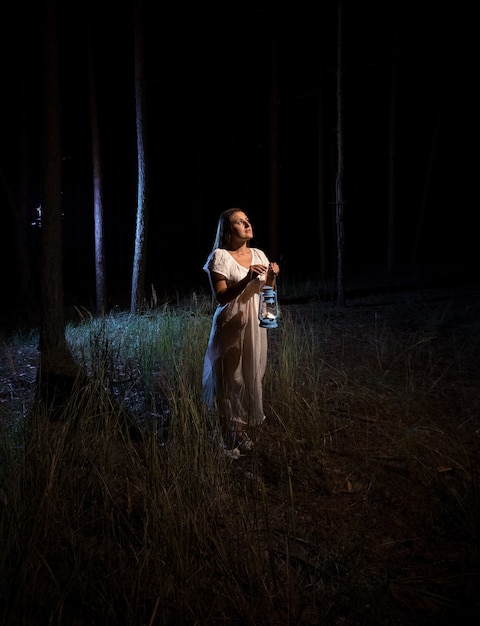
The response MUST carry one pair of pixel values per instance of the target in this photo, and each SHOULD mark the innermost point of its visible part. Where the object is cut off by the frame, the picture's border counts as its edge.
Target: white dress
(236, 355)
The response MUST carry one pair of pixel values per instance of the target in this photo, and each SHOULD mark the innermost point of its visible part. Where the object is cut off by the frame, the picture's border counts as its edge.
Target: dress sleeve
(217, 262)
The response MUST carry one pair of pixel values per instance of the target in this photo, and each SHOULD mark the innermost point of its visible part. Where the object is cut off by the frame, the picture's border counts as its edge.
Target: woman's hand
(256, 270)
(273, 270)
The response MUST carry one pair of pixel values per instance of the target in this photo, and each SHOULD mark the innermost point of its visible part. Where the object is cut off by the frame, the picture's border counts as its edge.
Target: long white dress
(236, 355)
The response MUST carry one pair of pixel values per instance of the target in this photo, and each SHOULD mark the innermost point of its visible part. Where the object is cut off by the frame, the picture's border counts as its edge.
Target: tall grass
(127, 512)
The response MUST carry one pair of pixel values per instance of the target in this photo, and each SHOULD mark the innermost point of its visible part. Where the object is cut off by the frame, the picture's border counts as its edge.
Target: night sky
(208, 73)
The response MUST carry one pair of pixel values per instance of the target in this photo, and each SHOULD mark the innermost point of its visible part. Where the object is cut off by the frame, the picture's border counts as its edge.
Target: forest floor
(410, 488)
(427, 558)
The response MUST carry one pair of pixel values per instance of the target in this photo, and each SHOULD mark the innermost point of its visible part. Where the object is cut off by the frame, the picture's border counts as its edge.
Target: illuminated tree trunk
(58, 370)
(140, 253)
(97, 188)
(339, 179)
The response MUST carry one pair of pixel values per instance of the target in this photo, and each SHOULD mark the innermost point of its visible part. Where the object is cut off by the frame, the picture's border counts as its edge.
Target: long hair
(224, 230)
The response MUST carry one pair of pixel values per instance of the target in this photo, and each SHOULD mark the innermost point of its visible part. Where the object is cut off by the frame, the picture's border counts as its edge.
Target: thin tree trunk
(392, 160)
(426, 190)
(58, 370)
(321, 174)
(98, 219)
(273, 204)
(139, 261)
(339, 202)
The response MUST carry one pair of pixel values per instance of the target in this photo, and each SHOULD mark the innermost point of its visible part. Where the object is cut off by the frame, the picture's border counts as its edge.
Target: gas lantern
(268, 308)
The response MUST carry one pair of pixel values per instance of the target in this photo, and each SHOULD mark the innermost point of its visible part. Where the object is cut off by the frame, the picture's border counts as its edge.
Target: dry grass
(360, 504)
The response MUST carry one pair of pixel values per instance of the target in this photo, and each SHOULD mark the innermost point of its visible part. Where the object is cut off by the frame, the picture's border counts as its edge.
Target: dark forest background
(208, 70)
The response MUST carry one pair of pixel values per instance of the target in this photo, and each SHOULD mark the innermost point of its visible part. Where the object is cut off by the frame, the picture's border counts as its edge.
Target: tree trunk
(392, 160)
(414, 259)
(58, 370)
(139, 261)
(321, 173)
(273, 204)
(97, 187)
(339, 180)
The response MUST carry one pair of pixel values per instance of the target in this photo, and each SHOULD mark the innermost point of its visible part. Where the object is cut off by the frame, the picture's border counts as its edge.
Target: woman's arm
(224, 293)
(273, 270)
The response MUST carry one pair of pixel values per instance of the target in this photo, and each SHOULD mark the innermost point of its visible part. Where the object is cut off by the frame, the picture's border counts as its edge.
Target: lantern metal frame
(268, 308)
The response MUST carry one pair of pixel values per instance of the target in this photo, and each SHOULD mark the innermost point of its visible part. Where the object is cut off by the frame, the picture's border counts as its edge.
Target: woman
(236, 356)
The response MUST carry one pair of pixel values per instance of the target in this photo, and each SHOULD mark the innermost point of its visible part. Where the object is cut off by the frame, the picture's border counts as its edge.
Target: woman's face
(241, 226)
